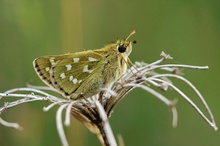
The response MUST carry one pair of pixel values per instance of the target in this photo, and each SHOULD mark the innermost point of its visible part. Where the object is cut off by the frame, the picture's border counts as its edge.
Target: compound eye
(121, 48)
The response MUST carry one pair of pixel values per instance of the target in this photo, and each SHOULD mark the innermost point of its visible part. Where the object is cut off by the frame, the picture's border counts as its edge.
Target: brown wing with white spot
(42, 66)
(66, 73)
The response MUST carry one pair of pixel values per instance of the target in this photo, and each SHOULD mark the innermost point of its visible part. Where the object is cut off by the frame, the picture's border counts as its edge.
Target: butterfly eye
(121, 48)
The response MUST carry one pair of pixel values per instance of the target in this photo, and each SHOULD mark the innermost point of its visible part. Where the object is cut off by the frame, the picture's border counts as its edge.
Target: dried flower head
(95, 111)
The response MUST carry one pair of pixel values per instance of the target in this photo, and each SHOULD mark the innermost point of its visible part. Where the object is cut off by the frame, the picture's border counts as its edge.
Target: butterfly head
(124, 46)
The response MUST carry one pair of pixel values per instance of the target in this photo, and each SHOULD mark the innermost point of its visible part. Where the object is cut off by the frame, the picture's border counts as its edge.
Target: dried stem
(104, 127)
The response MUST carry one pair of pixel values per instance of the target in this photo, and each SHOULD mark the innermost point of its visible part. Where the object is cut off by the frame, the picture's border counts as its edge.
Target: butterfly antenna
(133, 32)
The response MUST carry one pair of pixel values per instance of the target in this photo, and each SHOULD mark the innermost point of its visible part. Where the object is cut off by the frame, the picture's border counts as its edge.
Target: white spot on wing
(62, 75)
(86, 69)
(71, 78)
(52, 61)
(47, 69)
(79, 81)
(74, 81)
(75, 60)
(92, 59)
(68, 67)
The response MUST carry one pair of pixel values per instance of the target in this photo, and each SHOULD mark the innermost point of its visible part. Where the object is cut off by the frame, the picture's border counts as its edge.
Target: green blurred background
(188, 30)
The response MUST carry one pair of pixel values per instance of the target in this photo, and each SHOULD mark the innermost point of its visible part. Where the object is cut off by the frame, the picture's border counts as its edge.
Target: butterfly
(86, 73)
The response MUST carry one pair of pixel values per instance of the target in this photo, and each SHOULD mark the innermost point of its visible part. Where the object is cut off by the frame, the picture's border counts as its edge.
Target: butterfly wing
(69, 73)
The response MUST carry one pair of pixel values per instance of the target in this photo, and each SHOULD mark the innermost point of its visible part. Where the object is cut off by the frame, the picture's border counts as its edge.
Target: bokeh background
(188, 30)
